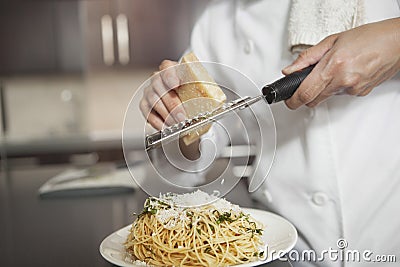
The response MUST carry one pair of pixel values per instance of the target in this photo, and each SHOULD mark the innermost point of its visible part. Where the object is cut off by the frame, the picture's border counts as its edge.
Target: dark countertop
(65, 231)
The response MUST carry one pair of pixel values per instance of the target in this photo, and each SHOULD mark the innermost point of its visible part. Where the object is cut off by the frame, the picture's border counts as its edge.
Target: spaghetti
(168, 233)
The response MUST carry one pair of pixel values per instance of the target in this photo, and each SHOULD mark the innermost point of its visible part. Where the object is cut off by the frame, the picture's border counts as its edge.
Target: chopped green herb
(189, 214)
(226, 216)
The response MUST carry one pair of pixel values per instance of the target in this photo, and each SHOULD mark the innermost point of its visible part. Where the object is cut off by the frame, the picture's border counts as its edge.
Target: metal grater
(183, 128)
(281, 89)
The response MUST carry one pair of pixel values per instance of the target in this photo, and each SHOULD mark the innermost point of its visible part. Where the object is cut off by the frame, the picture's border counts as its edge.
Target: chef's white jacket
(336, 172)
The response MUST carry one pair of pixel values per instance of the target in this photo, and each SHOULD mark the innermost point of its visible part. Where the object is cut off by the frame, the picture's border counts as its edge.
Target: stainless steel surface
(183, 128)
(65, 231)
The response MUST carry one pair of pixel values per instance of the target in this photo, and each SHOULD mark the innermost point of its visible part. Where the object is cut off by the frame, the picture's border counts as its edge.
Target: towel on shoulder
(311, 21)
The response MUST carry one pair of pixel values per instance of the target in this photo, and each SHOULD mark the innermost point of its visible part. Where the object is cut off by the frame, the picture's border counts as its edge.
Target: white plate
(279, 234)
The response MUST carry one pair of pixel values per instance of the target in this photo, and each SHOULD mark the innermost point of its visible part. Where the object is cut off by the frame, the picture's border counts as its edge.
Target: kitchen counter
(66, 231)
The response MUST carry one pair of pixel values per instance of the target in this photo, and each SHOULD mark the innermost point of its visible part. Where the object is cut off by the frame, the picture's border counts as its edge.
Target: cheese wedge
(199, 93)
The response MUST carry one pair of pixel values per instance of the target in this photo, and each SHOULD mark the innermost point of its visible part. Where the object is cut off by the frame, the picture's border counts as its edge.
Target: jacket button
(319, 198)
(249, 46)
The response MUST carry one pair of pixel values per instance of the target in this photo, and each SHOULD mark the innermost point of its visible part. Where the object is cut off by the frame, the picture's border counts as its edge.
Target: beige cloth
(311, 21)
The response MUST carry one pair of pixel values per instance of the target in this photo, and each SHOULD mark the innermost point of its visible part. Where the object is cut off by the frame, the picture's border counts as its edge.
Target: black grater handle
(285, 87)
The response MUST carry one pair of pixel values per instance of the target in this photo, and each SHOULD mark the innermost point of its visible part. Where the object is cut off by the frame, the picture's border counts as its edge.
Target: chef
(336, 173)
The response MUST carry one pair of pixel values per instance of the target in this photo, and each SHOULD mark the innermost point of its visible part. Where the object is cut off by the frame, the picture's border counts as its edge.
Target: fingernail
(169, 121)
(172, 81)
(180, 117)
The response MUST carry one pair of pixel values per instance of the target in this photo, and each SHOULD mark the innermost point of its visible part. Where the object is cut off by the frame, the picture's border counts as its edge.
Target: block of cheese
(199, 93)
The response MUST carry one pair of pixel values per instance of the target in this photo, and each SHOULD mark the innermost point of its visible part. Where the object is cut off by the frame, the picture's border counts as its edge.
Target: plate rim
(250, 264)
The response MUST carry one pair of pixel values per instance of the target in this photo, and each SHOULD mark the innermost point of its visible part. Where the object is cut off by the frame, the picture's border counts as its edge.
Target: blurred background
(68, 70)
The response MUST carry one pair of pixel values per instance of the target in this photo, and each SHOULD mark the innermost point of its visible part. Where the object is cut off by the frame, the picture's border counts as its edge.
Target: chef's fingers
(321, 98)
(170, 100)
(155, 120)
(174, 105)
(324, 95)
(311, 55)
(170, 107)
(376, 79)
(366, 91)
(144, 107)
(156, 103)
(311, 87)
(347, 83)
(151, 116)
(340, 85)
(166, 63)
(367, 88)
(168, 73)
(171, 81)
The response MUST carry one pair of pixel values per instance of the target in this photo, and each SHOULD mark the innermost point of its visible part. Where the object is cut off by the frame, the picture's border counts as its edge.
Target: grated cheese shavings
(170, 209)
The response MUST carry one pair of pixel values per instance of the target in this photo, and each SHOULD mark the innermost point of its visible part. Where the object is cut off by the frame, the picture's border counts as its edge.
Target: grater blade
(183, 128)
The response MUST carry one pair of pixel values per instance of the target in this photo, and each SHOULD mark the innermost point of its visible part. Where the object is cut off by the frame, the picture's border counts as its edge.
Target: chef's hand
(160, 104)
(351, 62)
